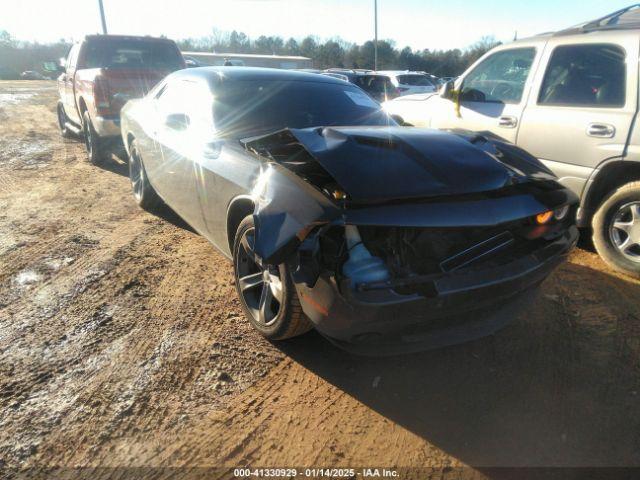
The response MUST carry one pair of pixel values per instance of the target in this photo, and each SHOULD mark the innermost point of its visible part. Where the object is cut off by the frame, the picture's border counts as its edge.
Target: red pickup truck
(101, 73)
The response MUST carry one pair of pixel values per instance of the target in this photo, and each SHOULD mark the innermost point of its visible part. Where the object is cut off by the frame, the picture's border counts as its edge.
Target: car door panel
(175, 150)
(502, 81)
(224, 173)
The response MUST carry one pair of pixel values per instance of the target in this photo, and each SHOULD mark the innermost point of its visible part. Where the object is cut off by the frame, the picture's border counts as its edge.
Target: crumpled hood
(377, 166)
(374, 164)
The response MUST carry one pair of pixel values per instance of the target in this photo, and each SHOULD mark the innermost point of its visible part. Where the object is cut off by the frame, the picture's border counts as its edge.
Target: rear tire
(144, 194)
(267, 294)
(62, 122)
(616, 229)
(92, 141)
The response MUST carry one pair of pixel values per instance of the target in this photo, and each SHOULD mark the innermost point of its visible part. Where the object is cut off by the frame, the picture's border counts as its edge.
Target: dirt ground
(122, 345)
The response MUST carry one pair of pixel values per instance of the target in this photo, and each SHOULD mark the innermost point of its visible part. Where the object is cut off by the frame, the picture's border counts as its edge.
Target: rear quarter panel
(83, 90)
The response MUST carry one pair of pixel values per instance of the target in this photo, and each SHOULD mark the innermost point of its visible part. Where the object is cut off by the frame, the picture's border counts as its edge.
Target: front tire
(62, 122)
(616, 229)
(267, 294)
(144, 194)
(92, 141)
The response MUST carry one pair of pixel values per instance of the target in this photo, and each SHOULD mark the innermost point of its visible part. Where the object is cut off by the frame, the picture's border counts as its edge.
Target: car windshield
(244, 108)
(415, 80)
(132, 53)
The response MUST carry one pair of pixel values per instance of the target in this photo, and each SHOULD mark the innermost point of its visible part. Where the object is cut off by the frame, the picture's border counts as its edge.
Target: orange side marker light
(544, 217)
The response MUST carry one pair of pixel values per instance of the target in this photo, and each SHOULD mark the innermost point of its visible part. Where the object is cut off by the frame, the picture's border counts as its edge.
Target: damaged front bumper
(457, 307)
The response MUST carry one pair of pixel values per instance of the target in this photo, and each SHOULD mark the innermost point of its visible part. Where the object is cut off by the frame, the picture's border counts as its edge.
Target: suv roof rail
(624, 19)
(350, 70)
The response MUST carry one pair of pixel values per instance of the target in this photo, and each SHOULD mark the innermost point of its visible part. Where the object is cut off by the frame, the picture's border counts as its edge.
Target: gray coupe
(382, 237)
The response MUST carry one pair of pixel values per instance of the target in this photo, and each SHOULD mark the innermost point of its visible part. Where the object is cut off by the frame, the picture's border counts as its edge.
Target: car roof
(127, 37)
(621, 23)
(253, 73)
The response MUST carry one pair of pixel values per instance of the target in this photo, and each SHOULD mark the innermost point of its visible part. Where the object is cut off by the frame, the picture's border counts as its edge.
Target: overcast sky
(439, 24)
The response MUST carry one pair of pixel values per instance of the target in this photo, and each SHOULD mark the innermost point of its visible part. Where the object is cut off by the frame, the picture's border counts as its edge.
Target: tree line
(342, 54)
(17, 56)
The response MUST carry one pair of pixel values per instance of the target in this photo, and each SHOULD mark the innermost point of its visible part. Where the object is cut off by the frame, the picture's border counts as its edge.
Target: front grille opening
(410, 251)
(417, 256)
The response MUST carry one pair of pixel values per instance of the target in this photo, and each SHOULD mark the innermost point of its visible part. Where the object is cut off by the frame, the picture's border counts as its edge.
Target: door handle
(602, 130)
(507, 121)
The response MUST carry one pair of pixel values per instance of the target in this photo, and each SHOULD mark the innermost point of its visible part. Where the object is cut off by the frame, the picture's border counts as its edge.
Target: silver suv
(571, 99)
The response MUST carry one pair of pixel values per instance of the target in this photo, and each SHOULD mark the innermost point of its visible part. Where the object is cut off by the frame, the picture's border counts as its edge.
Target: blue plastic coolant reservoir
(362, 267)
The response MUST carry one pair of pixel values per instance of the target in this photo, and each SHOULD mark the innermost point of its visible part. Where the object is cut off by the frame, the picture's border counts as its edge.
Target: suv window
(585, 75)
(499, 78)
(132, 53)
(375, 85)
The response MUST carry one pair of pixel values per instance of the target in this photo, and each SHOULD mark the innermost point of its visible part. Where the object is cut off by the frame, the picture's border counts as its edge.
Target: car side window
(190, 98)
(585, 76)
(500, 78)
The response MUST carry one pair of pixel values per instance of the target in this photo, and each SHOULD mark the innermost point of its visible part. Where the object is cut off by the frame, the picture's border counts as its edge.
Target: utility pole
(375, 42)
(104, 21)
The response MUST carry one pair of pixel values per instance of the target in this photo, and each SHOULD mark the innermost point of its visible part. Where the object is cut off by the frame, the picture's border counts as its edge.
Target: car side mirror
(177, 121)
(212, 149)
(400, 121)
(446, 90)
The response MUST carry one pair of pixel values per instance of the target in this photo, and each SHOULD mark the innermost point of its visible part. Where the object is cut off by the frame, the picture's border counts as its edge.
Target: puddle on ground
(27, 277)
(26, 154)
(14, 98)
(57, 263)
(30, 276)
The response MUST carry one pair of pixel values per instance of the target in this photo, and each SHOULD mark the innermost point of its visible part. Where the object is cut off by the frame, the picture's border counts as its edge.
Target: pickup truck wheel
(616, 229)
(92, 141)
(146, 197)
(267, 294)
(62, 122)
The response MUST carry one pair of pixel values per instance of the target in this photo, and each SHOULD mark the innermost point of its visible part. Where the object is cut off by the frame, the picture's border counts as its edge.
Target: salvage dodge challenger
(382, 237)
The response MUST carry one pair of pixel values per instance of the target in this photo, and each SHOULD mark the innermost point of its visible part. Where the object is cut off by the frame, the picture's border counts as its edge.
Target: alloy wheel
(625, 231)
(260, 285)
(137, 175)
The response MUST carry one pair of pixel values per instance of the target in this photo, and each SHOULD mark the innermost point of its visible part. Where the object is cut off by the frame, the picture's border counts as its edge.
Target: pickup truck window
(499, 78)
(585, 76)
(72, 58)
(132, 53)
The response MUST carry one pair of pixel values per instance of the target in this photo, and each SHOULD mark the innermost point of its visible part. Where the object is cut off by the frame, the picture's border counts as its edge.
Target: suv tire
(616, 229)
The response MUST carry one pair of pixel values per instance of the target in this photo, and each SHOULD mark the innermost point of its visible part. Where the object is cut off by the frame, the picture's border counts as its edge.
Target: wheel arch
(82, 106)
(238, 209)
(608, 177)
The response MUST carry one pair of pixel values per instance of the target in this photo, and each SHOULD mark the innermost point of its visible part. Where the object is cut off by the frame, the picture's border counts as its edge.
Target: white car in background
(408, 83)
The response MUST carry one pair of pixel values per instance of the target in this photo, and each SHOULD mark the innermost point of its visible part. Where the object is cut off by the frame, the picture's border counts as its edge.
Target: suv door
(492, 94)
(582, 104)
